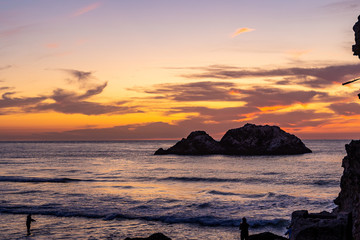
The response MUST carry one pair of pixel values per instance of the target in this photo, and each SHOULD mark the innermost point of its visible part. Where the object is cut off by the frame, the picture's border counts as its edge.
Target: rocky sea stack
(250, 139)
(155, 236)
(262, 140)
(348, 200)
(344, 222)
(197, 143)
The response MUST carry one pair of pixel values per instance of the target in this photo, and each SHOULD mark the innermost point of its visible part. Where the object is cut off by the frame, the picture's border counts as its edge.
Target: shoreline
(83, 228)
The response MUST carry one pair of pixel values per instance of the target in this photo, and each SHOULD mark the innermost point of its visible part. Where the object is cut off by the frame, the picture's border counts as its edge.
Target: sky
(159, 69)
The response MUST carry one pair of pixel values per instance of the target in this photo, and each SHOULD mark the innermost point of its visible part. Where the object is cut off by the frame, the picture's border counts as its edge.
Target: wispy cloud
(271, 96)
(70, 102)
(81, 76)
(13, 31)
(85, 79)
(7, 100)
(219, 115)
(81, 107)
(4, 88)
(340, 6)
(5, 67)
(316, 77)
(65, 101)
(241, 30)
(297, 119)
(346, 109)
(87, 9)
(195, 91)
(52, 45)
(295, 54)
(250, 96)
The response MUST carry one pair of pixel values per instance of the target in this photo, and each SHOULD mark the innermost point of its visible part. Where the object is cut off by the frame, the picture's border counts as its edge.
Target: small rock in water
(155, 236)
(197, 143)
(266, 236)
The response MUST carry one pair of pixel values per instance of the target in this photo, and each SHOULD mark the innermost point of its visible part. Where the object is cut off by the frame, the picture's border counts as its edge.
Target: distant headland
(250, 139)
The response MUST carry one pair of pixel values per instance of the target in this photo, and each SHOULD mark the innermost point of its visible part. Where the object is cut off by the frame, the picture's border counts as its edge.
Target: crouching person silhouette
(28, 223)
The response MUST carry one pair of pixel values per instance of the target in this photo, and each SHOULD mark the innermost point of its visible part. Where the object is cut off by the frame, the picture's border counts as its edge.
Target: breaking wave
(38, 180)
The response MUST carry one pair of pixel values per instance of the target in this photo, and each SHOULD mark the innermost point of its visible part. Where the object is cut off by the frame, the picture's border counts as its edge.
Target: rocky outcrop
(356, 47)
(262, 140)
(155, 236)
(344, 222)
(266, 236)
(250, 139)
(260, 236)
(197, 143)
(349, 196)
(320, 226)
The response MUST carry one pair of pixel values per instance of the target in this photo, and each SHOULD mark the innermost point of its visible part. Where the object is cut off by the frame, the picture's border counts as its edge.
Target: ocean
(114, 190)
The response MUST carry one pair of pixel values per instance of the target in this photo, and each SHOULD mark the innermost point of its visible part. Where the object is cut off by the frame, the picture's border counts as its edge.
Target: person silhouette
(28, 223)
(244, 229)
(289, 230)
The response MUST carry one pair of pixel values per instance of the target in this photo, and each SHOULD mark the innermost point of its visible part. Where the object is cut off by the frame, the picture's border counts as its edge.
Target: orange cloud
(272, 108)
(297, 53)
(241, 30)
(86, 9)
(234, 92)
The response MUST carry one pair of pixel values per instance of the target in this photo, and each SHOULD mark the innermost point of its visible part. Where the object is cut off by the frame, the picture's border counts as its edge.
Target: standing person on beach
(28, 223)
(244, 229)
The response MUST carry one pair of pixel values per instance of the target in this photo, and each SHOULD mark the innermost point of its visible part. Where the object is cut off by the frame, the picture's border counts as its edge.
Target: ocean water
(114, 190)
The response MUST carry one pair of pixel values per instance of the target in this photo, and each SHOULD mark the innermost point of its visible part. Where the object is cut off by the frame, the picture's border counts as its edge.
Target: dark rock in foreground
(356, 47)
(260, 236)
(266, 236)
(348, 200)
(344, 222)
(319, 226)
(247, 140)
(155, 236)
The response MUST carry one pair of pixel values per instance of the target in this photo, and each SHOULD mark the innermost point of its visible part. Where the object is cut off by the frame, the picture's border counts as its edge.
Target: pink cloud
(13, 31)
(87, 9)
(241, 30)
(297, 53)
(52, 45)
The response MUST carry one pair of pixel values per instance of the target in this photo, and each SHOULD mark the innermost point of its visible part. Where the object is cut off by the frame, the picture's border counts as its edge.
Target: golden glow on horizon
(64, 122)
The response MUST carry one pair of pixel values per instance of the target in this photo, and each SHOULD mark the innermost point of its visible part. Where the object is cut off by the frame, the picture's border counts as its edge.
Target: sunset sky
(159, 69)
